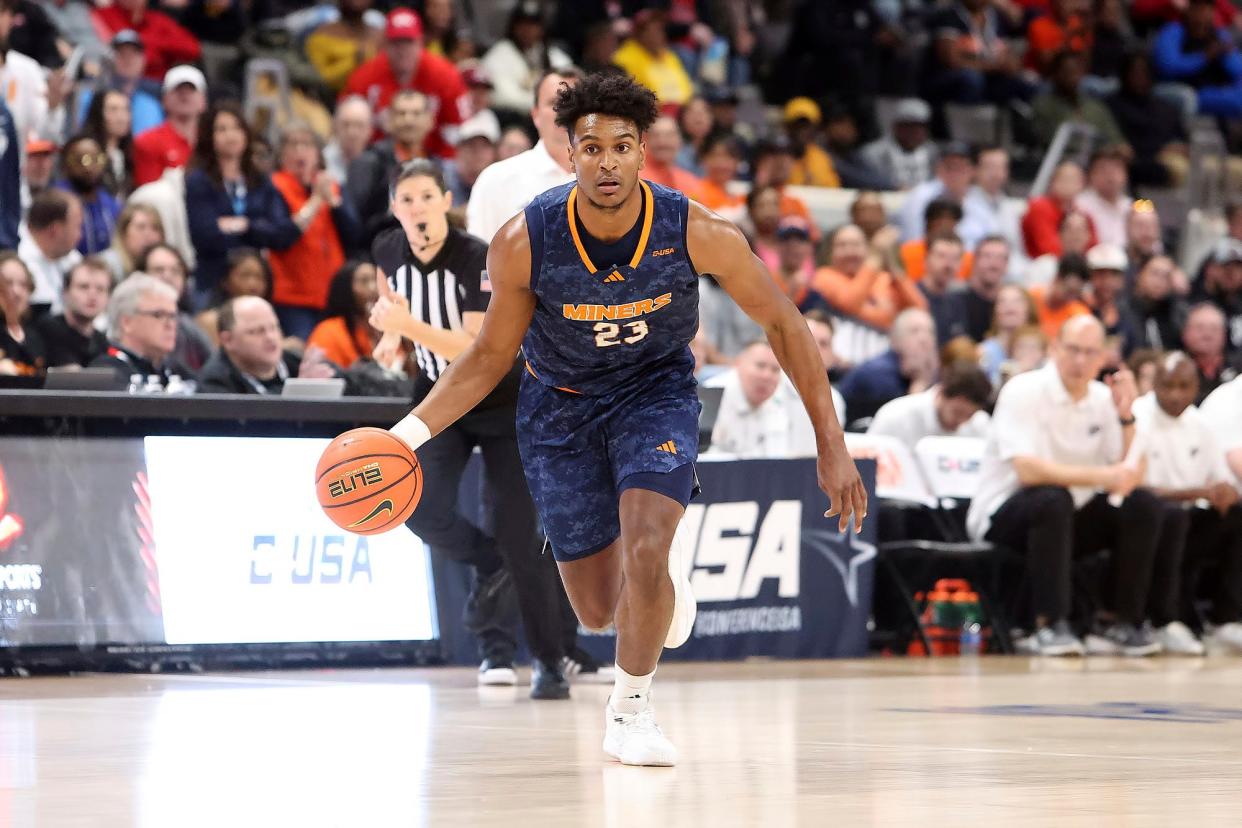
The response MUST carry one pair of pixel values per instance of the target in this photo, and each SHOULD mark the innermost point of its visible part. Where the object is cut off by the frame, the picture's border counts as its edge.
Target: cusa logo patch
(368, 475)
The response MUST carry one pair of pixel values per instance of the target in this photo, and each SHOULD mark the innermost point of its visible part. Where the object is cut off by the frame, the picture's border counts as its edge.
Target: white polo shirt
(1222, 411)
(913, 417)
(49, 274)
(1035, 417)
(779, 428)
(505, 188)
(1181, 451)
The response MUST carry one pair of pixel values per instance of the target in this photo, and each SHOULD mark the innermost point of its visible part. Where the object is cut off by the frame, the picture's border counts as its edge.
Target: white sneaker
(1227, 637)
(1176, 639)
(685, 608)
(635, 738)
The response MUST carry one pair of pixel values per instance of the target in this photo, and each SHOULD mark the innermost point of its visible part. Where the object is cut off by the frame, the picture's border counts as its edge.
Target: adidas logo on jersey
(615, 276)
(670, 447)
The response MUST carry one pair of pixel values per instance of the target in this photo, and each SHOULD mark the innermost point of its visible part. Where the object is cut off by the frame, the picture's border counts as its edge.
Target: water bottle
(155, 384)
(135, 383)
(971, 641)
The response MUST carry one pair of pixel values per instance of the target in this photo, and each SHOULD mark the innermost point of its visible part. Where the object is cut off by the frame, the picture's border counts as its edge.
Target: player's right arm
(474, 374)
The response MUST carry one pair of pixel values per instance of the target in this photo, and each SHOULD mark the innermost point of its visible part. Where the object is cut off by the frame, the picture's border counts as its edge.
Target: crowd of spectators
(154, 222)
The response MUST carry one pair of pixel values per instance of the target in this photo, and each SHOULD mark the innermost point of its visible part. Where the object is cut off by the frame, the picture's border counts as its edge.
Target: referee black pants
(512, 535)
(1041, 522)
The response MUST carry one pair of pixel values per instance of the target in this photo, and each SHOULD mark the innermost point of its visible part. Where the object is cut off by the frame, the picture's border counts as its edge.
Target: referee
(438, 272)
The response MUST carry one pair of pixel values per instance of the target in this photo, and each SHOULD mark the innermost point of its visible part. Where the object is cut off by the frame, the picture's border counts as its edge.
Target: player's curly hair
(606, 93)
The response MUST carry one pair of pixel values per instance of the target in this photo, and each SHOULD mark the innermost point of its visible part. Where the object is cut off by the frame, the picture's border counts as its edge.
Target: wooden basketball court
(879, 742)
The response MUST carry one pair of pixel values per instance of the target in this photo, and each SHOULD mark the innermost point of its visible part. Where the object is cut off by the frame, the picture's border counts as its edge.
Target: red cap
(37, 145)
(404, 24)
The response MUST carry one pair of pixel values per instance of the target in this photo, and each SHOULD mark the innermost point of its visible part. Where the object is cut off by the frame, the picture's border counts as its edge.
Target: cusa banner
(771, 574)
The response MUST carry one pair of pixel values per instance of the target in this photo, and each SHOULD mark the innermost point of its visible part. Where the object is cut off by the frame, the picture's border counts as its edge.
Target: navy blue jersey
(601, 325)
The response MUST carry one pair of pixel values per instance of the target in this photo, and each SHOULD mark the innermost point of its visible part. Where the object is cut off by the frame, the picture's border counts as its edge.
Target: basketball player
(598, 282)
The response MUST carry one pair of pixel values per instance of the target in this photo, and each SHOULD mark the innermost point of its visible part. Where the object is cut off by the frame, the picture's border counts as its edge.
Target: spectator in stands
(48, 245)
(758, 416)
(409, 129)
(1062, 298)
(165, 42)
(660, 163)
(446, 35)
(71, 337)
(695, 122)
(476, 151)
(1196, 52)
(164, 263)
(129, 63)
(338, 48)
(1157, 313)
(251, 359)
(137, 228)
(22, 350)
(855, 282)
(1204, 339)
(953, 407)
(724, 325)
(1143, 363)
(646, 56)
(812, 165)
(1143, 237)
(328, 225)
(85, 163)
(351, 134)
(519, 59)
(345, 335)
(867, 211)
(1184, 469)
(405, 65)
(171, 143)
(969, 60)
(1066, 28)
(108, 123)
(1042, 223)
(248, 275)
(763, 216)
(166, 196)
(514, 140)
(795, 267)
(1065, 101)
(987, 211)
(955, 172)
(906, 158)
(1107, 296)
(975, 304)
(1221, 284)
(10, 180)
(944, 262)
(720, 157)
(1152, 126)
(848, 158)
(941, 216)
(36, 106)
(771, 165)
(1053, 462)
(1105, 200)
(505, 188)
(142, 331)
(908, 367)
(37, 170)
(229, 203)
(820, 324)
(1012, 314)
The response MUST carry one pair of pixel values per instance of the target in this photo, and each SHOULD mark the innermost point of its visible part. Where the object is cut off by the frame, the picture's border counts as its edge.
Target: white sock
(629, 693)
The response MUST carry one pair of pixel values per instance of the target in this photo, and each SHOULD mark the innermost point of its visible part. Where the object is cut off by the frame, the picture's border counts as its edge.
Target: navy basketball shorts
(580, 452)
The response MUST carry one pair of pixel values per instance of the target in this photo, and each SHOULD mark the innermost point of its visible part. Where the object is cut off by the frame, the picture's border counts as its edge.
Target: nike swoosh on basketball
(382, 506)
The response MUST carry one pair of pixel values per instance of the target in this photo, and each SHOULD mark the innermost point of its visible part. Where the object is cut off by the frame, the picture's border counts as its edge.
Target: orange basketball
(368, 481)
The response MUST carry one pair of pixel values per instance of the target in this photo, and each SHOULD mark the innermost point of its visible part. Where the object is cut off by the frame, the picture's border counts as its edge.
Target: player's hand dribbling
(838, 478)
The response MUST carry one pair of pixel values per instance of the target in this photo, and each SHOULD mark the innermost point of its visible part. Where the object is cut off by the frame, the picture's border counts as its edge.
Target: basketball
(368, 481)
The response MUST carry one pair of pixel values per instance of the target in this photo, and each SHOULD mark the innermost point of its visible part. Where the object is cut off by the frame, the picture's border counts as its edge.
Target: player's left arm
(717, 247)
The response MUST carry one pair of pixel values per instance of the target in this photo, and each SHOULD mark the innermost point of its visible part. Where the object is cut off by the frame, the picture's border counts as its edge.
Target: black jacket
(221, 376)
(66, 346)
(126, 363)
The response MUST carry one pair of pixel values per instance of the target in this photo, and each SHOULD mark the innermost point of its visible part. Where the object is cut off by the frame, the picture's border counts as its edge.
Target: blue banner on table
(772, 575)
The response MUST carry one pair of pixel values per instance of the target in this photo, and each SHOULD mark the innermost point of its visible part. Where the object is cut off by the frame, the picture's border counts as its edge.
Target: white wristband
(412, 431)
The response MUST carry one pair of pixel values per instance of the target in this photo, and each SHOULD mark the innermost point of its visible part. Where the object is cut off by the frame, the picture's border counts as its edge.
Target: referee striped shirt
(441, 291)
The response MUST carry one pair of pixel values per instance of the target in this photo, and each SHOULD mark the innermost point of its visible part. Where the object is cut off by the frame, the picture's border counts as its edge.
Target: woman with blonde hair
(138, 228)
(1014, 310)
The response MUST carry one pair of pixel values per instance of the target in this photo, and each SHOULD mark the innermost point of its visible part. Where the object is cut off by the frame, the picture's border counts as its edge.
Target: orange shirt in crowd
(333, 336)
(794, 206)
(673, 176)
(301, 275)
(914, 260)
(871, 296)
(1051, 319)
(714, 197)
(1046, 36)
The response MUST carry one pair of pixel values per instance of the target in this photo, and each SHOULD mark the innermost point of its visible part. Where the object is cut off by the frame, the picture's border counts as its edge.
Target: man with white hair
(909, 366)
(142, 331)
(351, 133)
